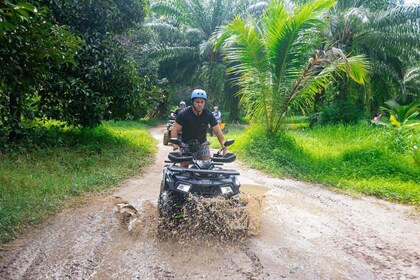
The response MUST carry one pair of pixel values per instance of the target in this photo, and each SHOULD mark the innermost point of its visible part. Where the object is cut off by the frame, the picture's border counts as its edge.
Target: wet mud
(280, 229)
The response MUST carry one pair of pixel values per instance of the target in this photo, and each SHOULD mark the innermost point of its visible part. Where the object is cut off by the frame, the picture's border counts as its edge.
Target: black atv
(201, 179)
(167, 133)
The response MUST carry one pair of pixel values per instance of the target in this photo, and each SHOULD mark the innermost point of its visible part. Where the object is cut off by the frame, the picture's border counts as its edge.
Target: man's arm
(219, 134)
(176, 128)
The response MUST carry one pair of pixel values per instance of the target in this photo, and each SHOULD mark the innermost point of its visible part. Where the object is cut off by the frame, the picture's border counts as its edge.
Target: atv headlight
(183, 187)
(226, 189)
(237, 183)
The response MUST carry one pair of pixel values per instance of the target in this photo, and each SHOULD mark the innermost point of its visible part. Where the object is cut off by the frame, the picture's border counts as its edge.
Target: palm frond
(412, 74)
(171, 9)
(241, 43)
(195, 20)
(286, 29)
(161, 27)
(164, 52)
(388, 35)
(257, 9)
(271, 56)
(398, 15)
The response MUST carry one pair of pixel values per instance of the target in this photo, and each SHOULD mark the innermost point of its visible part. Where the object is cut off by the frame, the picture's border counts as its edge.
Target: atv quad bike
(201, 179)
(167, 133)
(169, 125)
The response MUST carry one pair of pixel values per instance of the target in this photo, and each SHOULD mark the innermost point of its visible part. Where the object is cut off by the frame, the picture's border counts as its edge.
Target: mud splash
(211, 219)
(137, 222)
(222, 219)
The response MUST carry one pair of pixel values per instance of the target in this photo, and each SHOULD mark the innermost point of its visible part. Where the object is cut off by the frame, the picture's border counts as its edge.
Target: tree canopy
(64, 61)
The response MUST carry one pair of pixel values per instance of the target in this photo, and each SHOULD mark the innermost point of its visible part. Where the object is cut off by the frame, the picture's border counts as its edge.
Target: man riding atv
(194, 182)
(180, 108)
(194, 121)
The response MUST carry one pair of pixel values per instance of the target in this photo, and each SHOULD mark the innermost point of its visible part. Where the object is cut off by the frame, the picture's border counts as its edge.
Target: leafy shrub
(341, 111)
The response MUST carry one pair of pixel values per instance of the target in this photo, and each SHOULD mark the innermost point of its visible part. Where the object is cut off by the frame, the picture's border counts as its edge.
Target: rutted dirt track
(307, 232)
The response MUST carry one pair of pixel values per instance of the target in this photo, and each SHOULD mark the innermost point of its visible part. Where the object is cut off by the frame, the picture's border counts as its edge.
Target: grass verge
(64, 163)
(356, 159)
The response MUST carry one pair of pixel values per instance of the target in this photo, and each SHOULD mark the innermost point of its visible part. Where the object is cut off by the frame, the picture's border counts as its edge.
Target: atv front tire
(169, 205)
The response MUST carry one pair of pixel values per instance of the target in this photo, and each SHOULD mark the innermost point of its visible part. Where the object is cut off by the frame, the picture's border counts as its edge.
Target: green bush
(341, 111)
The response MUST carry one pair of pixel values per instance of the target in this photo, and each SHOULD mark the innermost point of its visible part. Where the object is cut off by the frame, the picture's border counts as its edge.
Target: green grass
(363, 159)
(234, 131)
(63, 163)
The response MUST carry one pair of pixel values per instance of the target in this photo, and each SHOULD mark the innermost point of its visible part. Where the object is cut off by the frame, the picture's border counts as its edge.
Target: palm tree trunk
(290, 96)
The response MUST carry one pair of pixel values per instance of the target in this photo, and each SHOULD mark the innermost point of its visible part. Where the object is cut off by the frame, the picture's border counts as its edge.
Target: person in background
(217, 114)
(180, 108)
(194, 121)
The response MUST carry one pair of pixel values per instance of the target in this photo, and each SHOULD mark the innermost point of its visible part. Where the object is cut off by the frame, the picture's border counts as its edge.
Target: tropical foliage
(412, 81)
(30, 46)
(400, 115)
(63, 61)
(105, 84)
(353, 158)
(277, 60)
(184, 28)
(388, 34)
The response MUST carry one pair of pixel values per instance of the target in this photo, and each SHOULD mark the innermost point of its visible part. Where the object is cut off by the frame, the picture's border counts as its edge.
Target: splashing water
(218, 218)
(211, 219)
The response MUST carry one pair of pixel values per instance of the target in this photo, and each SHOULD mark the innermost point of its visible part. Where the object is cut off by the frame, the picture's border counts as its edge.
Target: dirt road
(306, 232)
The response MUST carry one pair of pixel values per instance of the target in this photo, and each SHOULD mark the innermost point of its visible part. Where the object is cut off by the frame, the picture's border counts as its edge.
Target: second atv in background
(170, 123)
(167, 133)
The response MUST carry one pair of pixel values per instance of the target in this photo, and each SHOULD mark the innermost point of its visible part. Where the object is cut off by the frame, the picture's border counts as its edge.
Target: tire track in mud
(362, 228)
(389, 257)
(369, 237)
(257, 269)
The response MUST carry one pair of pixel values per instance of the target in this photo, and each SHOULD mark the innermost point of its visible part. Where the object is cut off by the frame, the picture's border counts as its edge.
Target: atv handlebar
(176, 141)
(176, 157)
(218, 157)
(201, 171)
(228, 157)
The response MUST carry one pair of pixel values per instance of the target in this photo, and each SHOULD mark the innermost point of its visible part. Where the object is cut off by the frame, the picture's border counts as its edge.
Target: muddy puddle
(257, 192)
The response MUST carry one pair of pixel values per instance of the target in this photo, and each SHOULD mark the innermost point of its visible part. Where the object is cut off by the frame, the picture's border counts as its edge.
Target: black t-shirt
(195, 127)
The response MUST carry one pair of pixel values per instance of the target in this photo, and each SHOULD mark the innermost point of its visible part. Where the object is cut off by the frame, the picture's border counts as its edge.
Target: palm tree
(183, 48)
(276, 60)
(388, 34)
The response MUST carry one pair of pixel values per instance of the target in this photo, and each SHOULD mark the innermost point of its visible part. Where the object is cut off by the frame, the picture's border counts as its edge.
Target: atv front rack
(175, 168)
